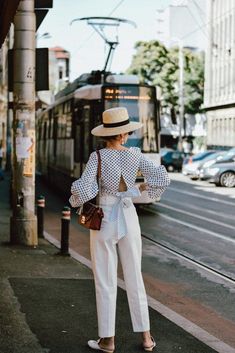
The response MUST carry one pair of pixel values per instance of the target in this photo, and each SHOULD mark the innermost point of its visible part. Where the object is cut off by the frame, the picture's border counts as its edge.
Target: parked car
(222, 157)
(229, 156)
(222, 173)
(198, 173)
(193, 162)
(172, 159)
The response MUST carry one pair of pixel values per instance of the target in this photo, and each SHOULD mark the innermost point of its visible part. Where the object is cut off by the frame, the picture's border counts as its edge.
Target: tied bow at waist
(117, 213)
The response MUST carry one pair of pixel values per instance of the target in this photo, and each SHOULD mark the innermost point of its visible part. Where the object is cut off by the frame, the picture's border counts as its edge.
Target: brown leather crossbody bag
(90, 215)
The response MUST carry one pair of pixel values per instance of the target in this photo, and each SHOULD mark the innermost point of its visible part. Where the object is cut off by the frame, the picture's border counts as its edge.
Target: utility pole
(23, 220)
(9, 110)
(181, 90)
(181, 95)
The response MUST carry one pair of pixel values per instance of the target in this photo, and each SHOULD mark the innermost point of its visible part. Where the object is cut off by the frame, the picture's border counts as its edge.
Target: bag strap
(97, 199)
(98, 177)
(99, 164)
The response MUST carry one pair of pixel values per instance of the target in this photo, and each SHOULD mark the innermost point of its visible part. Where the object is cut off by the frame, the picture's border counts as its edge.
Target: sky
(87, 49)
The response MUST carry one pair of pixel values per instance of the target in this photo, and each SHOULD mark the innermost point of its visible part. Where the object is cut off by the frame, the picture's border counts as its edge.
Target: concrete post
(65, 221)
(40, 215)
(9, 111)
(24, 221)
(181, 95)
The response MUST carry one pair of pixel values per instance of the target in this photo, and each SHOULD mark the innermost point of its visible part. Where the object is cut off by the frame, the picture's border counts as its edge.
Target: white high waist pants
(104, 245)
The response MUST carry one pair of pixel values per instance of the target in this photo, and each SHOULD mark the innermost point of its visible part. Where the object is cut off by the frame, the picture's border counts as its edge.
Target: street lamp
(45, 35)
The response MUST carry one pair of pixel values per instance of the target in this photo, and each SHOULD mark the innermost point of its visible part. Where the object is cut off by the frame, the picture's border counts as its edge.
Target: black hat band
(121, 123)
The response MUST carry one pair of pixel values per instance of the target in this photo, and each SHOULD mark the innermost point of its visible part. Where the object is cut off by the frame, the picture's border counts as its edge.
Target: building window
(60, 73)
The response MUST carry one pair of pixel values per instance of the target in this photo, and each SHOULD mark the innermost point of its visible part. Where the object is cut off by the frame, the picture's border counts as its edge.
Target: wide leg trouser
(104, 246)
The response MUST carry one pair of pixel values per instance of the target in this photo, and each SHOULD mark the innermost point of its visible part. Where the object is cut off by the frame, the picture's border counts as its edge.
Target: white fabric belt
(117, 213)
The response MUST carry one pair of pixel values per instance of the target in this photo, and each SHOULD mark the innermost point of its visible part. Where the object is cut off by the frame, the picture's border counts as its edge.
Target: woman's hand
(143, 187)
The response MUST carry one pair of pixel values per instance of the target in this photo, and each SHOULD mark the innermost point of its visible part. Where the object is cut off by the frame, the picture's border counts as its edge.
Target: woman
(120, 225)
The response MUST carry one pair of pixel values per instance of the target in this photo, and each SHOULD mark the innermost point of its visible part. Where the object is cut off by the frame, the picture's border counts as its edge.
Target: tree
(193, 82)
(159, 66)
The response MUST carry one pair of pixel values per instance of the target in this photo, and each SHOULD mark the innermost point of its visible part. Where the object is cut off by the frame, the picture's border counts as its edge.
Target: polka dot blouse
(114, 164)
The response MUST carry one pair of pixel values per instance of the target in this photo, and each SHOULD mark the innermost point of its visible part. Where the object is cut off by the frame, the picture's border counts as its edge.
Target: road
(196, 220)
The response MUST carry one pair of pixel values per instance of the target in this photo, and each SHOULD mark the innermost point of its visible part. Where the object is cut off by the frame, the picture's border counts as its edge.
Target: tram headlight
(212, 171)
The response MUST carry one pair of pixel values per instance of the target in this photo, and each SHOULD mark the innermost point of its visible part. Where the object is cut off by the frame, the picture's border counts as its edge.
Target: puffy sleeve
(85, 188)
(156, 177)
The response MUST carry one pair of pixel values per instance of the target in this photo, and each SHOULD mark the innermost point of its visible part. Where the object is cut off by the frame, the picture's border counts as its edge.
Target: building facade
(5, 114)
(59, 59)
(182, 21)
(3, 92)
(219, 96)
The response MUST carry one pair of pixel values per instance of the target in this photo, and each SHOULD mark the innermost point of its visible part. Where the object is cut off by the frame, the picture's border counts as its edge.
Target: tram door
(82, 137)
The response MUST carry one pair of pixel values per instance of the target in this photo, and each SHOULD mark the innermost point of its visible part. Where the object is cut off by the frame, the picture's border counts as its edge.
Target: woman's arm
(85, 188)
(157, 178)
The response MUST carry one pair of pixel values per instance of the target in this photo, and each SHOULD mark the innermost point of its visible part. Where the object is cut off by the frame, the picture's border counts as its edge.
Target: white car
(190, 167)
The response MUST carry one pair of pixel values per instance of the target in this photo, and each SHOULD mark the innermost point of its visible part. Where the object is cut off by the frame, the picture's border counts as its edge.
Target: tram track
(189, 259)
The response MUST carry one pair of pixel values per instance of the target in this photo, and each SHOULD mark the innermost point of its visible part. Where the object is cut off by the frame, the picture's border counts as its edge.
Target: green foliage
(155, 64)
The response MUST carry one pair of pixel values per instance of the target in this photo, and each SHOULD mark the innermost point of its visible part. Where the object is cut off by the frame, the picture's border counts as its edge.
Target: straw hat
(115, 121)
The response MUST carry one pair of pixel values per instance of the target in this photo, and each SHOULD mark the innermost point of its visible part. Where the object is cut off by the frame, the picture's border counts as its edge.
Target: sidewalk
(47, 303)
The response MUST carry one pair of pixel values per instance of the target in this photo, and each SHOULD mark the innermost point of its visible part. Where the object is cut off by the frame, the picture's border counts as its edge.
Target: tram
(64, 141)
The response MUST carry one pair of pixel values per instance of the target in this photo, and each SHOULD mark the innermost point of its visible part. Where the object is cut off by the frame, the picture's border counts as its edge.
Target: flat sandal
(96, 345)
(151, 348)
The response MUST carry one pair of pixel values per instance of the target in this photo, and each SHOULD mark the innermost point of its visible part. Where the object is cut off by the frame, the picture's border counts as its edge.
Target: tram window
(40, 131)
(136, 139)
(142, 110)
(51, 128)
(67, 106)
(63, 127)
(55, 128)
(59, 127)
(50, 125)
(56, 109)
(86, 116)
(149, 128)
(59, 109)
(68, 126)
(45, 130)
(77, 151)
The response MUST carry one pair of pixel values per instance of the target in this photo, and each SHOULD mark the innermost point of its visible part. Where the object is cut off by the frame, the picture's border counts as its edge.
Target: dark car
(222, 173)
(172, 159)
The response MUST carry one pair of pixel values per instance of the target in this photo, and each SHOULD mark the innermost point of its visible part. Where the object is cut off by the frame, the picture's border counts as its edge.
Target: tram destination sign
(127, 93)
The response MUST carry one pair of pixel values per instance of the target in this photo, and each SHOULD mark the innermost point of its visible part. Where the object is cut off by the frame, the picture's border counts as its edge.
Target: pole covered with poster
(23, 220)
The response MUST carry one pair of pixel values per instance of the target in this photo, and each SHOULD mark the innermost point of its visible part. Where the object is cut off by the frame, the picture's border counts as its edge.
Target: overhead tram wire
(198, 29)
(201, 13)
(198, 7)
(115, 8)
(196, 21)
(206, 24)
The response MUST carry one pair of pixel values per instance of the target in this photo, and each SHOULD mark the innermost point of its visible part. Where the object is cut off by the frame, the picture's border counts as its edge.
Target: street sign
(42, 75)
